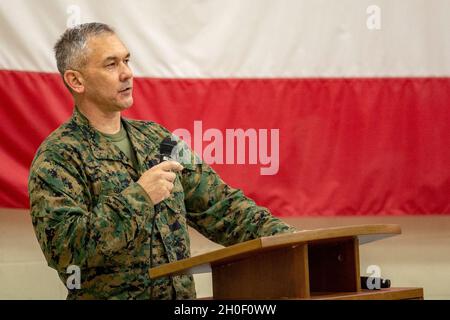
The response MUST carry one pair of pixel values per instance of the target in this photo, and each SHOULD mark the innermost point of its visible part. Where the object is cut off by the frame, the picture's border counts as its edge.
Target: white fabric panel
(243, 38)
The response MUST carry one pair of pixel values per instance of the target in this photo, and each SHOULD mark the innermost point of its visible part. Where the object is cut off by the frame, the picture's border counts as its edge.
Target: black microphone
(166, 148)
(165, 152)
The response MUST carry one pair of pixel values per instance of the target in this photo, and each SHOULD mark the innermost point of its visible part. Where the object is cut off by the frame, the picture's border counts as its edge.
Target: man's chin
(124, 105)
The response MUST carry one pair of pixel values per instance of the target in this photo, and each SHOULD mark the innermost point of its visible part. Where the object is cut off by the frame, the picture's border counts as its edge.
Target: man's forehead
(104, 46)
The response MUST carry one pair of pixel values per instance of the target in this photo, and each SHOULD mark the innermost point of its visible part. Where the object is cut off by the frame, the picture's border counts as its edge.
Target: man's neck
(105, 122)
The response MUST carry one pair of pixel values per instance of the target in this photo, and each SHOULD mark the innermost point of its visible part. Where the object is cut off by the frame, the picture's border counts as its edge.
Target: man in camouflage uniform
(94, 184)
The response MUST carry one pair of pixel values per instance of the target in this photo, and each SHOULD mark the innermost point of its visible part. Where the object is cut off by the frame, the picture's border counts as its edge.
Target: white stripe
(243, 38)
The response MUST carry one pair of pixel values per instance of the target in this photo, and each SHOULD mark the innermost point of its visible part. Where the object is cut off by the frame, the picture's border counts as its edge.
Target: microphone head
(166, 147)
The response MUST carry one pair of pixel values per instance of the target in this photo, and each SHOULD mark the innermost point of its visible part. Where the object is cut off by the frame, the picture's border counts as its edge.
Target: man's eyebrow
(115, 57)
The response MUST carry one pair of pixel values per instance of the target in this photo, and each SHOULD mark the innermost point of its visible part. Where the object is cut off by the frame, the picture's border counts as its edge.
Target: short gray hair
(70, 49)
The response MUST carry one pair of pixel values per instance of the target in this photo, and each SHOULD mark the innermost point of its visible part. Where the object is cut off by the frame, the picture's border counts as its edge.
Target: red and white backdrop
(362, 114)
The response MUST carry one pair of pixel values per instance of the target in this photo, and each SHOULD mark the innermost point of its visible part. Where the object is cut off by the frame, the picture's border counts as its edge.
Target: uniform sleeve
(223, 214)
(72, 232)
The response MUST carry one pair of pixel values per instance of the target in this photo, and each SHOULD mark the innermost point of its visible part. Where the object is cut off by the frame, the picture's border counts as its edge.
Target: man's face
(108, 80)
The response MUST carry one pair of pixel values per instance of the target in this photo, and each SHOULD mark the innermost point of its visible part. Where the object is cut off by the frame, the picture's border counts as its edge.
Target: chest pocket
(109, 180)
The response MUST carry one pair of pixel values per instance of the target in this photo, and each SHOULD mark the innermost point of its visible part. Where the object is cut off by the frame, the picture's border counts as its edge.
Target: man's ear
(74, 80)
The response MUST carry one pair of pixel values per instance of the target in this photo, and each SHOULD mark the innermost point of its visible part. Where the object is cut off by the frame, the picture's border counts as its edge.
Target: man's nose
(125, 73)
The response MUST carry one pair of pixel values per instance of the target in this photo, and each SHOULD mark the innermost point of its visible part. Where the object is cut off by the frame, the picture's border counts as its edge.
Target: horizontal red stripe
(347, 146)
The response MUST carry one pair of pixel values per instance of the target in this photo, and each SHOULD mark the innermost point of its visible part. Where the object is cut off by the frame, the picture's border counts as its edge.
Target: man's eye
(126, 61)
(111, 64)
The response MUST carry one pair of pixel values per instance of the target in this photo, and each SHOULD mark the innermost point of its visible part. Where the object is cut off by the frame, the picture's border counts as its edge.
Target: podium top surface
(365, 234)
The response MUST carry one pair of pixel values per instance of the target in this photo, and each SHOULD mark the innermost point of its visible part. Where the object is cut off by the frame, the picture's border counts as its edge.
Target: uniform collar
(102, 149)
(146, 149)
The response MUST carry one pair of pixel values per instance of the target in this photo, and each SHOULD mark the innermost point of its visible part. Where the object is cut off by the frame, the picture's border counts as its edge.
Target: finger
(168, 175)
(168, 185)
(170, 165)
(165, 185)
(165, 193)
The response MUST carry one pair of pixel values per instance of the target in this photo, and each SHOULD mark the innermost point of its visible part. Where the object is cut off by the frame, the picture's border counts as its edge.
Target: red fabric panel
(31, 106)
(347, 146)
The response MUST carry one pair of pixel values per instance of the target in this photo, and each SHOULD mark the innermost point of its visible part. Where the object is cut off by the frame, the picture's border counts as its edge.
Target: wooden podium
(309, 264)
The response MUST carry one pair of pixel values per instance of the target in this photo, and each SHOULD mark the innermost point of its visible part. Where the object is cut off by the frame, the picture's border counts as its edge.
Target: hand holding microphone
(158, 180)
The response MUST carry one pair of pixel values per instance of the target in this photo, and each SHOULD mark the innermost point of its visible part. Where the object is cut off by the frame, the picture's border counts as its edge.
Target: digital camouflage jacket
(87, 210)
